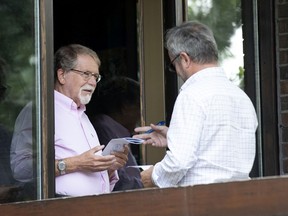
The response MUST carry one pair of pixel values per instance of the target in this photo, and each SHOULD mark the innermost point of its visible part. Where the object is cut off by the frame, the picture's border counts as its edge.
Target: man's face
(78, 88)
(177, 64)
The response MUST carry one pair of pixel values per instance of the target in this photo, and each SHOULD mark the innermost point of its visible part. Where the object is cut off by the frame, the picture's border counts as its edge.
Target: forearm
(21, 152)
(21, 159)
(72, 165)
(22, 170)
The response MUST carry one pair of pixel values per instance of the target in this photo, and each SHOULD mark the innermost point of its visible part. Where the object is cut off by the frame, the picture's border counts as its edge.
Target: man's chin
(85, 99)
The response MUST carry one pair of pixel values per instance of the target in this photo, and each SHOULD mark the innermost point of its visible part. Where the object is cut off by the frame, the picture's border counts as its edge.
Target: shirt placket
(90, 139)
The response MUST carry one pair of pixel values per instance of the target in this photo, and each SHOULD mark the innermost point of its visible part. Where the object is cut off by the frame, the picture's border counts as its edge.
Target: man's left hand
(121, 159)
(146, 177)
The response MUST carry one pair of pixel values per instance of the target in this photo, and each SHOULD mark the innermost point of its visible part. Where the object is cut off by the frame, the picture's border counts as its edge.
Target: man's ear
(61, 76)
(185, 59)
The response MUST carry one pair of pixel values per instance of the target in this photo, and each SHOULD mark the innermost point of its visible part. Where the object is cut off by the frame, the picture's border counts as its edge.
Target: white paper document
(141, 167)
(118, 144)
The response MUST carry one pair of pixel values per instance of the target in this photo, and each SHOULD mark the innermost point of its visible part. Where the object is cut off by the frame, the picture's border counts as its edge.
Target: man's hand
(157, 138)
(91, 162)
(121, 159)
(146, 177)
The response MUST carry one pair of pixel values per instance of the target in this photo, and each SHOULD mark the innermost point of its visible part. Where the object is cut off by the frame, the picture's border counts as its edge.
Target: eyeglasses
(171, 66)
(87, 75)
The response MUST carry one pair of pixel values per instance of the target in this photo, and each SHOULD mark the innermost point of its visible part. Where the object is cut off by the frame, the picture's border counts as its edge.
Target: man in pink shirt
(80, 168)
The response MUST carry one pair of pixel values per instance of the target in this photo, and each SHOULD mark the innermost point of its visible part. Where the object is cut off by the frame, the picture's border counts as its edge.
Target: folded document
(118, 143)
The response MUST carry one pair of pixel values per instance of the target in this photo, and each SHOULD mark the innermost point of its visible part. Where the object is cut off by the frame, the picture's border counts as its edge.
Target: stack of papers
(118, 143)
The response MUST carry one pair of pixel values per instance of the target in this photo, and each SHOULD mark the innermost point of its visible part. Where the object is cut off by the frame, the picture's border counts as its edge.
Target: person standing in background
(114, 111)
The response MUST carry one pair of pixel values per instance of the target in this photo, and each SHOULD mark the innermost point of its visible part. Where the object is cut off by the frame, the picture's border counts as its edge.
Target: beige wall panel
(153, 72)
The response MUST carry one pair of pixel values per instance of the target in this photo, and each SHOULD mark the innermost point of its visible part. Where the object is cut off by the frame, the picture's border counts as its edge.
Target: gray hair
(194, 38)
(66, 57)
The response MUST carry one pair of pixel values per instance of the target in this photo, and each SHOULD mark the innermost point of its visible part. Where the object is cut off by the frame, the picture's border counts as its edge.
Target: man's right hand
(88, 162)
(156, 138)
(91, 162)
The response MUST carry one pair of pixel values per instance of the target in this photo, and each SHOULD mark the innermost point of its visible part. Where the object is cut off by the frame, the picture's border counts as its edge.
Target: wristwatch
(61, 167)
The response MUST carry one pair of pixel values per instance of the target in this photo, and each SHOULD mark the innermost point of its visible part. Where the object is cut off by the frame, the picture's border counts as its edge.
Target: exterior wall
(258, 197)
(282, 67)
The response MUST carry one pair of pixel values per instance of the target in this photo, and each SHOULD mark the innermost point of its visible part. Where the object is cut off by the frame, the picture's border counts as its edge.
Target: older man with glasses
(211, 136)
(80, 167)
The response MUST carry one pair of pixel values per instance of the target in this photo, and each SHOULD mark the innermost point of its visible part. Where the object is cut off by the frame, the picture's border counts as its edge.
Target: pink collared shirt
(74, 134)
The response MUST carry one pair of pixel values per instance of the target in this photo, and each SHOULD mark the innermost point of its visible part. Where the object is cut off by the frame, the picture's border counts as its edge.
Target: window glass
(17, 96)
(224, 18)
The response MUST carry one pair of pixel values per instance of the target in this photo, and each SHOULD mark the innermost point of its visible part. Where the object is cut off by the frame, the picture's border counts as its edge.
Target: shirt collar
(67, 102)
(202, 74)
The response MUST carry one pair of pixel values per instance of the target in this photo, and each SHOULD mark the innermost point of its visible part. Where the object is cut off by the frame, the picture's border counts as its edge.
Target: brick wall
(282, 42)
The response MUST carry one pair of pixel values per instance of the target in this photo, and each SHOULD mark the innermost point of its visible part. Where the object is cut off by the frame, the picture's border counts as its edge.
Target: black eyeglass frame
(171, 66)
(87, 75)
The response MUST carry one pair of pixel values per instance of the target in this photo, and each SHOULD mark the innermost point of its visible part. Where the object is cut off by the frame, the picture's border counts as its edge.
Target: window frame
(46, 187)
(267, 84)
(260, 80)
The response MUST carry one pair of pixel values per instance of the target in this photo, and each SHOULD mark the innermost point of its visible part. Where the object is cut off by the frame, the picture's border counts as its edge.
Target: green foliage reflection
(223, 17)
(17, 49)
